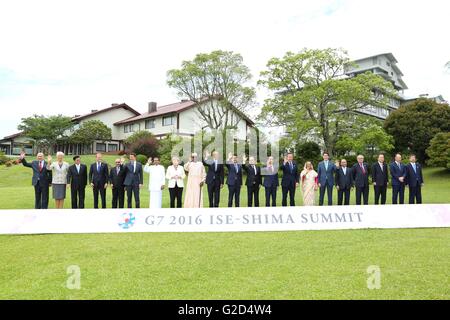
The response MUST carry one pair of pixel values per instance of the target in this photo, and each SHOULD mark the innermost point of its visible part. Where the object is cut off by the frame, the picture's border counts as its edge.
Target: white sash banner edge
(224, 219)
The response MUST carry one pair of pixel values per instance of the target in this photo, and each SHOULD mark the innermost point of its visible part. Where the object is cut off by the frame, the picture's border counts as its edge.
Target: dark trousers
(40, 196)
(77, 194)
(214, 194)
(398, 192)
(364, 192)
(130, 191)
(176, 193)
(118, 197)
(285, 191)
(415, 193)
(380, 191)
(234, 191)
(329, 194)
(271, 192)
(253, 194)
(102, 192)
(344, 194)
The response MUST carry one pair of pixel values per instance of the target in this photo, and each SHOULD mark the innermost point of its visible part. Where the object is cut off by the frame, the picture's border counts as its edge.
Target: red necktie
(40, 166)
(362, 168)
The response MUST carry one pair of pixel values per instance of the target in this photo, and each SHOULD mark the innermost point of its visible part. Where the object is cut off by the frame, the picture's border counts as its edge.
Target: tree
(413, 125)
(91, 131)
(46, 131)
(373, 140)
(145, 146)
(218, 80)
(307, 151)
(143, 134)
(312, 97)
(439, 150)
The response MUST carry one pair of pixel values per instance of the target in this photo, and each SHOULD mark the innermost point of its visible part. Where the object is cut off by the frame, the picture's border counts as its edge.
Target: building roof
(13, 136)
(115, 106)
(389, 55)
(171, 109)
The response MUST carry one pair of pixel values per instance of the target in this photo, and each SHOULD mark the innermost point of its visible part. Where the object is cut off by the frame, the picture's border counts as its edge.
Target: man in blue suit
(290, 179)
(234, 180)
(270, 183)
(326, 172)
(41, 179)
(98, 178)
(414, 180)
(344, 182)
(398, 175)
(134, 180)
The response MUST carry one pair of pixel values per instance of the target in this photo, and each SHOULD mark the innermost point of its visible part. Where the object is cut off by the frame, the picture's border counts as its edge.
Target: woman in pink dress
(196, 179)
(309, 184)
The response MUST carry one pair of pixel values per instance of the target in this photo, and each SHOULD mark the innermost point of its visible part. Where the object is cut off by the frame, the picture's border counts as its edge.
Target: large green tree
(220, 79)
(46, 131)
(439, 150)
(90, 131)
(313, 97)
(413, 125)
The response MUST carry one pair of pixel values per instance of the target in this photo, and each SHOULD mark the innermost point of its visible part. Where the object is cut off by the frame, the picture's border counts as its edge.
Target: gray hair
(60, 153)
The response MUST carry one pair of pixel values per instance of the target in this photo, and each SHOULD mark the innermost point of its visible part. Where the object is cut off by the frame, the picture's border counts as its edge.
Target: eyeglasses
(117, 162)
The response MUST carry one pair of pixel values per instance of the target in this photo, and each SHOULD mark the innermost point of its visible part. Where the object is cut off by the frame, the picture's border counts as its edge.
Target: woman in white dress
(309, 184)
(157, 181)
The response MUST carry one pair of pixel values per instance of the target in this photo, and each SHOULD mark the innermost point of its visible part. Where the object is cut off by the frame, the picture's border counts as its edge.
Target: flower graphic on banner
(126, 220)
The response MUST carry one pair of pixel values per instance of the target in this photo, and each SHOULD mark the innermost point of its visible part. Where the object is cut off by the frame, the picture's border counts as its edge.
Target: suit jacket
(270, 180)
(290, 177)
(234, 178)
(115, 179)
(344, 181)
(134, 178)
(380, 177)
(99, 178)
(326, 176)
(397, 172)
(360, 178)
(214, 175)
(171, 172)
(77, 180)
(414, 179)
(43, 177)
(252, 178)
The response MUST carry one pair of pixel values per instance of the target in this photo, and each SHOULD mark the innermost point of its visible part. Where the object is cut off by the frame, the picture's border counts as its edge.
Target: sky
(61, 57)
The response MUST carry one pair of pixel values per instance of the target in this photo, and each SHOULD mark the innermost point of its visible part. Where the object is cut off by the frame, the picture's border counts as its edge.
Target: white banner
(224, 219)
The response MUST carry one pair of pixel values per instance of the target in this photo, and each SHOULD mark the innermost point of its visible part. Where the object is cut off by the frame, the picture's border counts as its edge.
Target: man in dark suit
(41, 179)
(117, 179)
(398, 174)
(326, 171)
(270, 183)
(234, 180)
(360, 174)
(134, 180)
(414, 180)
(98, 178)
(214, 178)
(380, 179)
(253, 181)
(290, 179)
(77, 178)
(344, 182)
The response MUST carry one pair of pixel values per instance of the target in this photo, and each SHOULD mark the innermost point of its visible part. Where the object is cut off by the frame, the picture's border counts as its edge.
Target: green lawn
(414, 263)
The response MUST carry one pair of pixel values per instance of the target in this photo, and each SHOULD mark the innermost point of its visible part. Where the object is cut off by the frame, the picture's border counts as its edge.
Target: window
(100, 147)
(149, 124)
(388, 64)
(128, 128)
(113, 147)
(168, 121)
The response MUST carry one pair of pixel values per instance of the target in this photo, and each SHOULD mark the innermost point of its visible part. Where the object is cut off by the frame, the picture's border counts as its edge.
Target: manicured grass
(414, 263)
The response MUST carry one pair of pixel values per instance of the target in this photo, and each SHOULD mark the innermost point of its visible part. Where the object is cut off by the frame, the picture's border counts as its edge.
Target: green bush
(141, 158)
(3, 159)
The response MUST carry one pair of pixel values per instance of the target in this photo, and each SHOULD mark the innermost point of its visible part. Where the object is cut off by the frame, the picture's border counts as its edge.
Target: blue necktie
(236, 168)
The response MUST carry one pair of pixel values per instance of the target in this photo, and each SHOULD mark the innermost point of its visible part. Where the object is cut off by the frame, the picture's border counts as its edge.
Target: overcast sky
(71, 57)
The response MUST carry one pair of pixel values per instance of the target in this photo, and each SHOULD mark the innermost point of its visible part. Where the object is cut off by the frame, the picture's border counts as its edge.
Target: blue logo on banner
(127, 220)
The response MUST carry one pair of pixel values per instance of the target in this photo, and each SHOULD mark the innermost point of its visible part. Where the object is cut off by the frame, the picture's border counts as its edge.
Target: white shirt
(78, 167)
(381, 165)
(345, 170)
(157, 177)
(172, 172)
